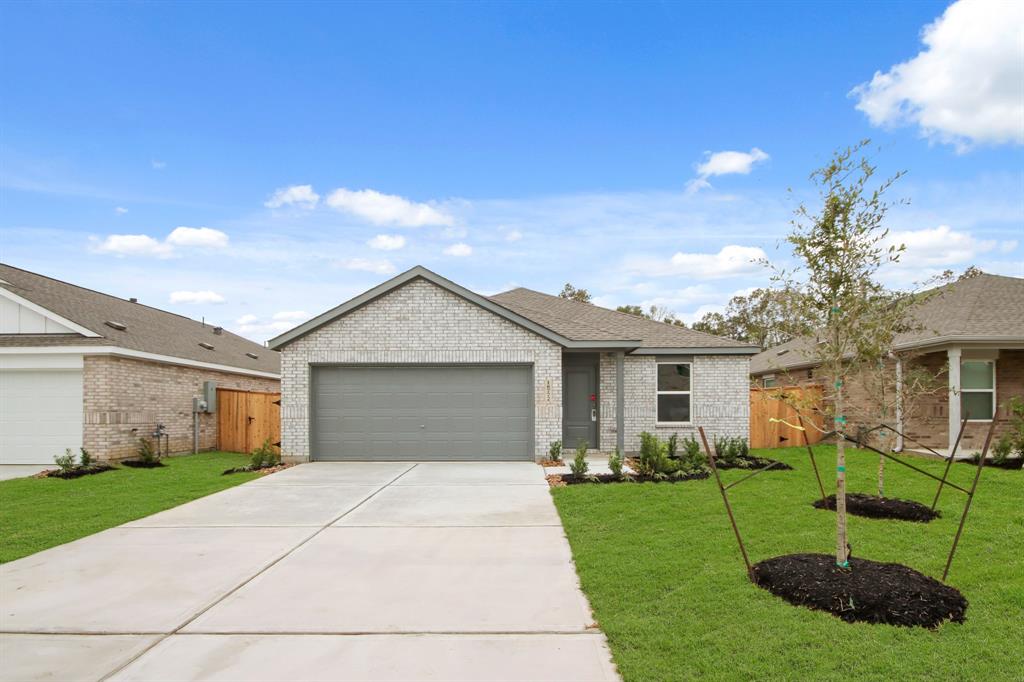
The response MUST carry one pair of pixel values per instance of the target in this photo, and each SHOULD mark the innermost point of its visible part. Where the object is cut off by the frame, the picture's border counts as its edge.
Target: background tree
(655, 312)
(840, 248)
(573, 294)
(765, 317)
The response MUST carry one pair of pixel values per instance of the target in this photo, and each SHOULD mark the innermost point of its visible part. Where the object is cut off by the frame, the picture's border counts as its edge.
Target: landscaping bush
(85, 459)
(264, 456)
(555, 451)
(615, 462)
(1002, 450)
(147, 452)
(66, 462)
(578, 466)
(69, 468)
(672, 446)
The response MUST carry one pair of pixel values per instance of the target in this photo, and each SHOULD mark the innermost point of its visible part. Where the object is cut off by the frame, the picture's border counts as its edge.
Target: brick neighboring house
(79, 368)
(974, 327)
(422, 368)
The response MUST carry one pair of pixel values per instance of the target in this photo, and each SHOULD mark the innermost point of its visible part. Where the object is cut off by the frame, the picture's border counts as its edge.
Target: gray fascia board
(959, 338)
(701, 350)
(420, 272)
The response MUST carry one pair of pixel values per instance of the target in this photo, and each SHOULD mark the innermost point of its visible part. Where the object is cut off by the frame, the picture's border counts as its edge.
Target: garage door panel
(40, 414)
(422, 412)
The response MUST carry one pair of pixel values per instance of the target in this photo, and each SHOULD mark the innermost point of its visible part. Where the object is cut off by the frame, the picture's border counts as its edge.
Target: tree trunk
(841, 552)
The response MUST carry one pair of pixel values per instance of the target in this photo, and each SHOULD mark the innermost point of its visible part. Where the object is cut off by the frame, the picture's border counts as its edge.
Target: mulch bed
(874, 507)
(77, 472)
(559, 480)
(752, 463)
(1011, 463)
(867, 591)
(263, 471)
(139, 464)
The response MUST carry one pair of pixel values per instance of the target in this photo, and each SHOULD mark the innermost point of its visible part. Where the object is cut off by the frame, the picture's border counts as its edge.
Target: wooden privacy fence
(775, 424)
(247, 418)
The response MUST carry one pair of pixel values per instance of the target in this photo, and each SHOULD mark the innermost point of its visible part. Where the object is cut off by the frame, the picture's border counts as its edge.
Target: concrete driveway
(325, 571)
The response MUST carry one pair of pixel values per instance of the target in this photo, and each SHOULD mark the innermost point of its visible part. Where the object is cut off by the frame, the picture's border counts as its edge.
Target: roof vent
(218, 330)
(783, 351)
(120, 326)
(253, 356)
(133, 300)
(207, 346)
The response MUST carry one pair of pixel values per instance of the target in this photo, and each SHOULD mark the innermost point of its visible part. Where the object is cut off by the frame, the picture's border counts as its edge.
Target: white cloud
(247, 319)
(386, 209)
(380, 267)
(387, 242)
(513, 236)
(730, 261)
(120, 210)
(196, 297)
(459, 250)
(134, 245)
(291, 315)
(198, 237)
(302, 196)
(725, 163)
(157, 164)
(1008, 245)
(937, 247)
(454, 232)
(966, 86)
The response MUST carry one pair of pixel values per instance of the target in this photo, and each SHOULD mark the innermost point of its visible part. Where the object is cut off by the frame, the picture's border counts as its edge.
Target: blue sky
(256, 164)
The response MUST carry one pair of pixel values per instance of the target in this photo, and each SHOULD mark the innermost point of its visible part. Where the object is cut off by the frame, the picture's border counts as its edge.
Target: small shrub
(555, 451)
(85, 458)
(727, 449)
(615, 462)
(672, 446)
(264, 456)
(653, 460)
(66, 462)
(1016, 409)
(578, 466)
(1002, 449)
(147, 451)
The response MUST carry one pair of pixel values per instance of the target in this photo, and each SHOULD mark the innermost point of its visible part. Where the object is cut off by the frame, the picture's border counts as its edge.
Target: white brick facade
(419, 323)
(422, 323)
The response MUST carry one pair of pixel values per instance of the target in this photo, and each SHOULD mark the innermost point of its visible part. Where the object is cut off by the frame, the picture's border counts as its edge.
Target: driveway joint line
(248, 580)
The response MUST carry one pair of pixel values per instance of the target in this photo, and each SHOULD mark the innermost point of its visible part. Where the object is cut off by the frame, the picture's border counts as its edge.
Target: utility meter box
(210, 395)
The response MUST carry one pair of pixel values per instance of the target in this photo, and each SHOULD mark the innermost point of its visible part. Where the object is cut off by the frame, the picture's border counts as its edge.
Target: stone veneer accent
(121, 394)
(720, 398)
(419, 323)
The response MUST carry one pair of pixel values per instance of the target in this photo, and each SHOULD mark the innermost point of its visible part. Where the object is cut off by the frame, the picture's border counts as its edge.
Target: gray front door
(421, 412)
(579, 404)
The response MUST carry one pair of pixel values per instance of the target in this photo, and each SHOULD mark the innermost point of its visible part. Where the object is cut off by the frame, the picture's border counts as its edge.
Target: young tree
(573, 294)
(765, 317)
(840, 247)
(655, 312)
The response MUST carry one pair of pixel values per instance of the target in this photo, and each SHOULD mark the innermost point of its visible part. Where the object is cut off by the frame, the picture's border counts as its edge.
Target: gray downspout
(620, 402)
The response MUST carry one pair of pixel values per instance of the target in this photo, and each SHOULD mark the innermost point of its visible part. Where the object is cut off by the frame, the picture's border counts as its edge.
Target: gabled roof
(981, 309)
(567, 323)
(146, 330)
(583, 320)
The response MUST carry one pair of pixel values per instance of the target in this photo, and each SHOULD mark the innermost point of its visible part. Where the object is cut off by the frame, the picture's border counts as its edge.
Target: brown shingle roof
(147, 329)
(586, 322)
(981, 308)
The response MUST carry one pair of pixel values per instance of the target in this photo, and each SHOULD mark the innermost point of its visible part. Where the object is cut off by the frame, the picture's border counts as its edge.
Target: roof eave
(697, 350)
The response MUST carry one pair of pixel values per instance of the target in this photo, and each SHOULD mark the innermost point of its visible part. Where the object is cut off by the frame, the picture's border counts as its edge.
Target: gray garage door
(422, 413)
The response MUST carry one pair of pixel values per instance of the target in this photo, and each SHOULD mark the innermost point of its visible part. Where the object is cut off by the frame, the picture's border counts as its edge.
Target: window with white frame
(673, 393)
(769, 381)
(978, 389)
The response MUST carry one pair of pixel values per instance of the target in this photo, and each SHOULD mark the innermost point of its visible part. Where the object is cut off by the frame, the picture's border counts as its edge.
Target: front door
(579, 405)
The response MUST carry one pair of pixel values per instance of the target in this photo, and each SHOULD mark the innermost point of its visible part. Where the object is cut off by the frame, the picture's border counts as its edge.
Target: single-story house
(420, 368)
(79, 368)
(970, 334)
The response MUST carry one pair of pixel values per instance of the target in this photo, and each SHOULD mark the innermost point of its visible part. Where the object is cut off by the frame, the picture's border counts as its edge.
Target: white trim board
(36, 308)
(134, 354)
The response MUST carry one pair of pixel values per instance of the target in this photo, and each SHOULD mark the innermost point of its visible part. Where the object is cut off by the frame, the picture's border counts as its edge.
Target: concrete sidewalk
(325, 571)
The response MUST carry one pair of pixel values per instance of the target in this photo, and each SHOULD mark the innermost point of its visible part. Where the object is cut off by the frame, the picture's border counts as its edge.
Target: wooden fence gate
(247, 418)
(775, 424)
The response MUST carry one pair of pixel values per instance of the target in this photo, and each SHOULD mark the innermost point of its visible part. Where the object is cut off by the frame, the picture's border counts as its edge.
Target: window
(978, 389)
(673, 393)
(769, 381)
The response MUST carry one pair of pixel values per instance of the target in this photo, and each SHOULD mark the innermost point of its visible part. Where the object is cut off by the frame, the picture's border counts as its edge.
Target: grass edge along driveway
(39, 513)
(664, 576)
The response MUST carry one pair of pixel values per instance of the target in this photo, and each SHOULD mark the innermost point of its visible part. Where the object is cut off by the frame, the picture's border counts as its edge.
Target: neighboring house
(974, 327)
(83, 369)
(421, 368)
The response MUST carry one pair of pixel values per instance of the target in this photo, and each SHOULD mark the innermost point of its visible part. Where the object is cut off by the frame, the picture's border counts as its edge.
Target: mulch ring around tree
(1008, 463)
(751, 462)
(874, 507)
(559, 480)
(868, 591)
(77, 472)
(141, 464)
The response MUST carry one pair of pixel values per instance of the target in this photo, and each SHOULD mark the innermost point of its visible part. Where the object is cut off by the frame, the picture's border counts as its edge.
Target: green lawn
(664, 576)
(38, 513)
